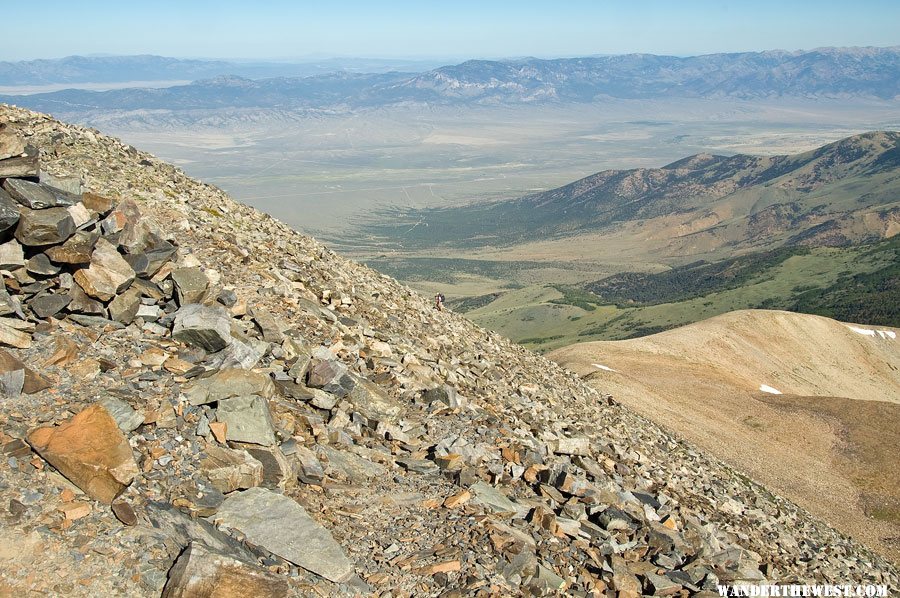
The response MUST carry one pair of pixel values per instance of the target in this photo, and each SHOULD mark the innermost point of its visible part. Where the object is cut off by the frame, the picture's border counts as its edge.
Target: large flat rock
(91, 451)
(281, 526)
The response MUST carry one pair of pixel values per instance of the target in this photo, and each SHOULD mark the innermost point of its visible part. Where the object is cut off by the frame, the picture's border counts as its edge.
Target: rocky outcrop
(325, 429)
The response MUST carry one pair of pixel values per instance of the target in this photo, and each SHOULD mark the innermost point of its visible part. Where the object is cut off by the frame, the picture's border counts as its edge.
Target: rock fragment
(229, 470)
(206, 327)
(286, 530)
(202, 573)
(108, 274)
(247, 419)
(44, 227)
(91, 451)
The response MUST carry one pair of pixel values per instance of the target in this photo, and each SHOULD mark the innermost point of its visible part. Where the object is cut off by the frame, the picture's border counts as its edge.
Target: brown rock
(108, 275)
(13, 337)
(97, 203)
(124, 513)
(76, 250)
(230, 470)
(458, 499)
(91, 451)
(75, 510)
(219, 430)
(202, 573)
(12, 144)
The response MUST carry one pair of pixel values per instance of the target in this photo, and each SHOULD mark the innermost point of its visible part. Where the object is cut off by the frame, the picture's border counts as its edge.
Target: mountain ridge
(870, 73)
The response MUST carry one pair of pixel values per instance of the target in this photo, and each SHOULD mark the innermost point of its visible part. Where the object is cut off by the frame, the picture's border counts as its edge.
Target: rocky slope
(230, 406)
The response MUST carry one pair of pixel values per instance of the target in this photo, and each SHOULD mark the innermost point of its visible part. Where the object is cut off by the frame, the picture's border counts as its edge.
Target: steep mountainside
(827, 72)
(842, 192)
(198, 375)
(758, 388)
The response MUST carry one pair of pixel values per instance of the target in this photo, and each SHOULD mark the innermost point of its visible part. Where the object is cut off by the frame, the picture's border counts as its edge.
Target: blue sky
(436, 29)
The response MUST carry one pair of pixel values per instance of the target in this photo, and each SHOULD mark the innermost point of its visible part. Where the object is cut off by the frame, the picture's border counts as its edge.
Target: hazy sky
(432, 28)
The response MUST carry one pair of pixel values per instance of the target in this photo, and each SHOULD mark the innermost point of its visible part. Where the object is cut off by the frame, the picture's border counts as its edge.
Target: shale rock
(89, 450)
(286, 530)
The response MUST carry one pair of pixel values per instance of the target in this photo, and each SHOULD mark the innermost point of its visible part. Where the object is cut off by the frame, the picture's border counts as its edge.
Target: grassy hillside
(857, 284)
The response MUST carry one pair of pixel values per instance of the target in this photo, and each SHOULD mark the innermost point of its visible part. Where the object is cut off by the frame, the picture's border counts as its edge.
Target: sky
(439, 28)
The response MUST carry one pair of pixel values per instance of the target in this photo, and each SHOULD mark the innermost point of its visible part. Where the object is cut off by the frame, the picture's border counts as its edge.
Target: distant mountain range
(114, 69)
(828, 72)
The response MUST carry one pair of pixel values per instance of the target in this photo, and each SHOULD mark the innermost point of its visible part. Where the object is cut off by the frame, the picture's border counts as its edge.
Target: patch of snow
(874, 333)
(769, 389)
(603, 367)
(864, 331)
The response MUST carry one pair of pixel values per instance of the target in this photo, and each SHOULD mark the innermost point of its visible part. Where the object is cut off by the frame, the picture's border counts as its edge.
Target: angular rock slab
(227, 383)
(90, 451)
(493, 499)
(281, 526)
(248, 419)
(12, 144)
(108, 274)
(229, 470)
(38, 196)
(9, 212)
(44, 227)
(190, 285)
(202, 573)
(206, 327)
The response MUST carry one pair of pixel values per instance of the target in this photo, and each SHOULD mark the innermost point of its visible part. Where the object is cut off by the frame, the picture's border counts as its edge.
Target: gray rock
(418, 465)
(190, 285)
(200, 572)
(278, 473)
(11, 255)
(373, 402)
(355, 468)
(206, 327)
(82, 304)
(44, 227)
(332, 376)
(229, 383)
(573, 446)
(46, 306)
(127, 419)
(493, 499)
(38, 196)
(9, 211)
(309, 470)
(41, 265)
(268, 326)
(281, 526)
(248, 419)
(12, 382)
(148, 262)
(124, 307)
(69, 184)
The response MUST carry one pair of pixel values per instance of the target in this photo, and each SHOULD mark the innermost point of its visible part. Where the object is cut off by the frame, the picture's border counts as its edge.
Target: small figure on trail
(439, 301)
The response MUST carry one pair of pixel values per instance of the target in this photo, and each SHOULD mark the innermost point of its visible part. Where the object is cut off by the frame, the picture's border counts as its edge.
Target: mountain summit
(199, 399)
